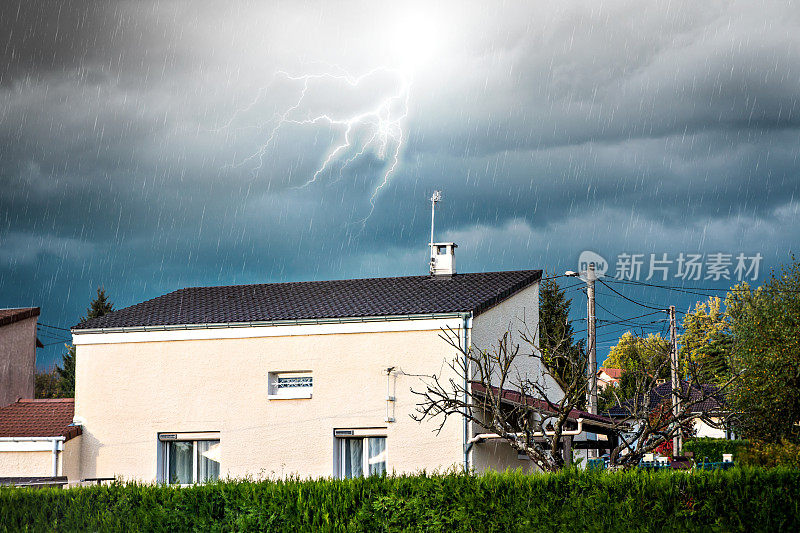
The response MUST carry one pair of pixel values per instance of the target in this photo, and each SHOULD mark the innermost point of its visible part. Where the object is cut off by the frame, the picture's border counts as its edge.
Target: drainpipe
(467, 318)
(55, 458)
(570, 433)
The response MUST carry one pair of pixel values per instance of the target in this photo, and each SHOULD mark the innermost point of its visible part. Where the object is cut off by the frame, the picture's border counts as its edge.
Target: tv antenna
(435, 199)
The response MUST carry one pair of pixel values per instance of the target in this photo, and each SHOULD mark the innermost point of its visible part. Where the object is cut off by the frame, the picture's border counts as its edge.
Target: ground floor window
(188, 461)
(362, 456)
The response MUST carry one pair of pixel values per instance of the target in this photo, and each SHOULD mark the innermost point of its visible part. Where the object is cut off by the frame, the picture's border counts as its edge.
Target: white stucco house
(310, 378)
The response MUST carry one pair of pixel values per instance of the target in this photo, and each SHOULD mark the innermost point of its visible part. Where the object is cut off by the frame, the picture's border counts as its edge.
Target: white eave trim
(31, 444)
(276, 328)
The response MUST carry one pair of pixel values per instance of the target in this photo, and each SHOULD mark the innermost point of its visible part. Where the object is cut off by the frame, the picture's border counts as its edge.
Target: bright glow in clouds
(417, 39)
(379, 130)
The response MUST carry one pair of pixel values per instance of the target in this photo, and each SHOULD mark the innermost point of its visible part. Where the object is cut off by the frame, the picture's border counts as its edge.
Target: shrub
(733, 500)
(714, 448)
(784, 453)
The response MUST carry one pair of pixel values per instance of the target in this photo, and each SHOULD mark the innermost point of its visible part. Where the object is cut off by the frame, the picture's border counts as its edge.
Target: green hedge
(714, 448)
(733, 500)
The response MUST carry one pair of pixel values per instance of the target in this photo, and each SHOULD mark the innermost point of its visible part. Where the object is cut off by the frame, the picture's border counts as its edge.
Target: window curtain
(181, 458)
(353, 457)
(377, 456)
(208, 452)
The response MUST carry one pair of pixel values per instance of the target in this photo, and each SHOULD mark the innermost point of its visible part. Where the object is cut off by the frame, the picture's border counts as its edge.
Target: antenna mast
(436, 198)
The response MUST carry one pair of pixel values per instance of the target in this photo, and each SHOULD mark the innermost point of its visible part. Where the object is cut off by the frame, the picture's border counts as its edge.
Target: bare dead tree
(508, 392)
(647, 419)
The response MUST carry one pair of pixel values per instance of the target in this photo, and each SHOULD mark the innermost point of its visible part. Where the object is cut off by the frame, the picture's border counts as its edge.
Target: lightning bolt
(384, 124)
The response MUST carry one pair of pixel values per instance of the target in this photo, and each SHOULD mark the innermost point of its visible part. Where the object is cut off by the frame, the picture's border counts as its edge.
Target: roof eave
(268, 323)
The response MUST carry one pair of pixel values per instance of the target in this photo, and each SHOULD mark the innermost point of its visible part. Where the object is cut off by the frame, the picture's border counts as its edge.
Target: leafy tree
(707, 341)
(46, 384)
(66, 371)
(765, 323)
(644, 354)
(612, 393)
(556, 333)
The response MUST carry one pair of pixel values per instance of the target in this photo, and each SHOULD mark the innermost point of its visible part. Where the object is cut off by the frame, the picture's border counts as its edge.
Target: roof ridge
(44, 400)
(348, 279)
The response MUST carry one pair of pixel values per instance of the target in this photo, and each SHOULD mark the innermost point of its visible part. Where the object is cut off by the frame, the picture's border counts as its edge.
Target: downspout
(467, 319)
(55, 458)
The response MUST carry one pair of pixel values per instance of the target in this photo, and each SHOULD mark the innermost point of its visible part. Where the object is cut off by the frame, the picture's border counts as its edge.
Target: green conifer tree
(66, 371)
(556, 332)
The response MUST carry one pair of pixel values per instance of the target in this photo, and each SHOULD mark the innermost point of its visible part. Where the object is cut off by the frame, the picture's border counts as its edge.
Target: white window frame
(164, 440)
(300, 391)
(363, 434)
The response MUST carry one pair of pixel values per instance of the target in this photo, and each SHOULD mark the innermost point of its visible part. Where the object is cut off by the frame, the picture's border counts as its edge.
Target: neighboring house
(608, 376)
(711, 407)
(308, 378)
(17, 353)
(38, 440)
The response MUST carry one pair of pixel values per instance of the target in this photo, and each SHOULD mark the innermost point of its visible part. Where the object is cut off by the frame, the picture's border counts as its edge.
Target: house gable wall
(129, 392)
(516, 314)
(17, 360)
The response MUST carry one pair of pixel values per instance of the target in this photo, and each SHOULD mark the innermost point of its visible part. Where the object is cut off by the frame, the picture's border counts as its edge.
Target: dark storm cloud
(131, 137)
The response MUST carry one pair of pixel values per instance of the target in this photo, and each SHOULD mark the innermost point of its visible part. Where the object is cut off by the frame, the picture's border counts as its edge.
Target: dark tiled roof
(9, 316)
(322, 299)
(713, 401)
(39, 418)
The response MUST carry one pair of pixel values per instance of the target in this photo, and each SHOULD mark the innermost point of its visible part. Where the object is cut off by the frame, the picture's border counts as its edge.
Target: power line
(629, 299)
(624, 320)
(686, 289)
(50, 337)
(565, 289)
(45, 333)
(54, 327)
(607, 311)
(631, 319)
(52, 343)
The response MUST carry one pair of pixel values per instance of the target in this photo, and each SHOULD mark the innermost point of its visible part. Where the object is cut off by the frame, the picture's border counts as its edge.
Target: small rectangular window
(290, 385)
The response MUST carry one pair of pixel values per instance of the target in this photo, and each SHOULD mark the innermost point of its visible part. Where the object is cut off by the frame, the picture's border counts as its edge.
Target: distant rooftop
(412, 295)
(39, 418)
(9, 316)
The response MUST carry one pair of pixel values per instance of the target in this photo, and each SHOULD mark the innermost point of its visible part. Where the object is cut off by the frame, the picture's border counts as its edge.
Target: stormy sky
(149, 146)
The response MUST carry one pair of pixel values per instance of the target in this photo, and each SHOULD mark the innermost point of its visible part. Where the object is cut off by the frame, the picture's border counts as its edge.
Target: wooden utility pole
(676, 383)
(592, 396)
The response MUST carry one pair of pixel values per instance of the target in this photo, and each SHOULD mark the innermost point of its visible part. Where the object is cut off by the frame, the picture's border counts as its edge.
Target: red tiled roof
(39, 418)
(9, 316)
(615, 373)
(516, 397)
